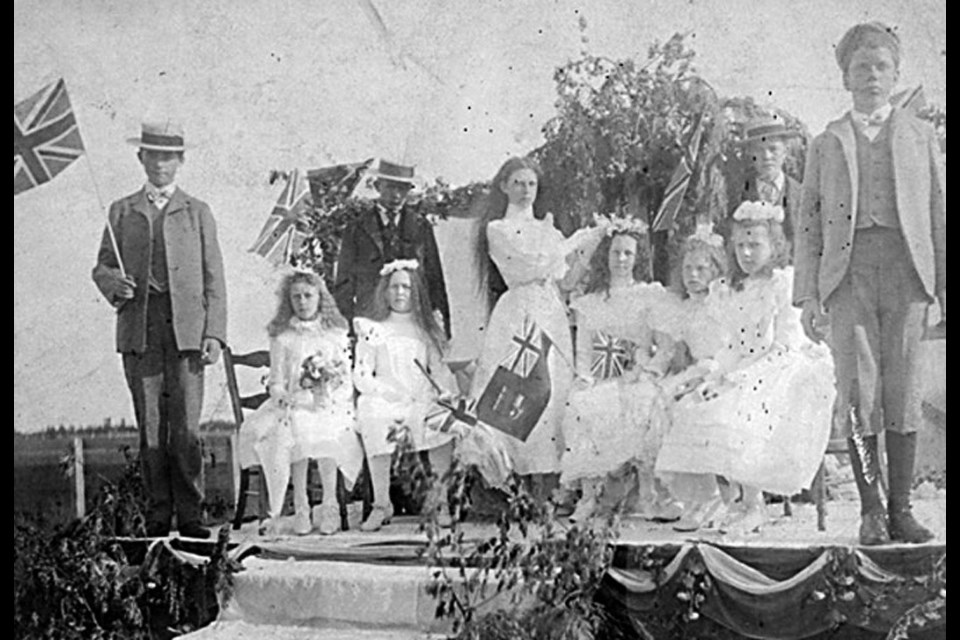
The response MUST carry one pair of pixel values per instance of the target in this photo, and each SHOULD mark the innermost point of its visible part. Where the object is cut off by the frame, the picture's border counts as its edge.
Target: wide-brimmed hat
(160, 136)
(393, 172)
(767, 128)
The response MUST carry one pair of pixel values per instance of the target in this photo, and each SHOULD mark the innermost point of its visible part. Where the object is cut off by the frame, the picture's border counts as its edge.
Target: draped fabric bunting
(780, 593)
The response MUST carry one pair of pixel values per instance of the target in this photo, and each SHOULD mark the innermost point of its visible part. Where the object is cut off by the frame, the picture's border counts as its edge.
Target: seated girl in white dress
(762, 420)
(696, 321)
(532, 257)
(615, 415)
(397, 346)
(310, 410)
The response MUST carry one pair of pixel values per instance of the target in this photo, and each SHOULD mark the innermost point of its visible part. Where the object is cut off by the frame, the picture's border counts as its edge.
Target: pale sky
(452, 87)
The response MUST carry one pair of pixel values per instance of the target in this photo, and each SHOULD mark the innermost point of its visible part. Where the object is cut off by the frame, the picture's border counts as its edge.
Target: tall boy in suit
(871, 255)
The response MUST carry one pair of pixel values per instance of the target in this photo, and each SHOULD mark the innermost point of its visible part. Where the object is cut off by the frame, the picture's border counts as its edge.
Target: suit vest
(876, 193)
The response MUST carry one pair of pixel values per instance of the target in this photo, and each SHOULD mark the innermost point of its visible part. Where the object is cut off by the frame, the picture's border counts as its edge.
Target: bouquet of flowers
(324, 371)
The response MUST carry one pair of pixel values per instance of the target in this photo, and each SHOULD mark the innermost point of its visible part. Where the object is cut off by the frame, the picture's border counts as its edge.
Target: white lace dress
(317, 423)
(620, 418)
(531, 255)
(770, 423)
(394, 392)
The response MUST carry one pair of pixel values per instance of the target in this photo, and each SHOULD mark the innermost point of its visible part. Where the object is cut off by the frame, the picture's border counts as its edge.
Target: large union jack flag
(46, 138)
(283, 232)
(679, 181)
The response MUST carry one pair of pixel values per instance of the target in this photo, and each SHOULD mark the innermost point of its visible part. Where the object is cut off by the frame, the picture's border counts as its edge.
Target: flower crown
(399, 265)
(704, 233)
(758, 210)
(617, 225)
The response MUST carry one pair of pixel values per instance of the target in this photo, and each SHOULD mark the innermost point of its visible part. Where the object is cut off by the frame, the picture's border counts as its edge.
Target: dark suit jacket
(364, 251)
(198, 292)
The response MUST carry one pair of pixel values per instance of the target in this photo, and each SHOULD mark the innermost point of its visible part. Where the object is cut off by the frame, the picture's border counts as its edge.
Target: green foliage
(534, 579)
(621, 128)
(77, 581)
(334, 210)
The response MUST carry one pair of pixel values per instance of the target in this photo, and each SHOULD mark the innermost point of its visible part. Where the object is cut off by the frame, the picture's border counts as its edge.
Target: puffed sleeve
(788, 330)
(370, 341)
(277, 383)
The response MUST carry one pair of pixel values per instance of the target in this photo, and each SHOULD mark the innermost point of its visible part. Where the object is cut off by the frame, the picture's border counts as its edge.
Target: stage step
(317, 595)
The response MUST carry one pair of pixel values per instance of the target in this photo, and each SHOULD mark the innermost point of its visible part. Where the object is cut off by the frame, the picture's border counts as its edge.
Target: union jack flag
(527, 351)
(611, 356)
(46, 138)
(679, 181)
(283, 234)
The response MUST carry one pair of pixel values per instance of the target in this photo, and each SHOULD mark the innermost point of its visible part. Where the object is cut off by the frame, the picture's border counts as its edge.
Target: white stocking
(301, 501)
(380, 478)
(328, 477)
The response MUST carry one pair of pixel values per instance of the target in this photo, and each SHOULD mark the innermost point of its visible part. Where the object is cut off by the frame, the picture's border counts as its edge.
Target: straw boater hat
(160, 136)
(394, 173)
(766, 128)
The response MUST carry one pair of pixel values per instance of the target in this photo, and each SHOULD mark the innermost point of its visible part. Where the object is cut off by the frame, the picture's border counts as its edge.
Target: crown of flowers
(399, 265)
(758, 210)
(704, 233)
(617, 225)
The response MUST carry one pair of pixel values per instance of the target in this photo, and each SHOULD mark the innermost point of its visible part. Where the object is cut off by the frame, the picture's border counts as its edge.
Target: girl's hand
(583, 381)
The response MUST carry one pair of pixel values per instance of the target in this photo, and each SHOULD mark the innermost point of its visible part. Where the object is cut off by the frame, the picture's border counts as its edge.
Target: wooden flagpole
(110, 232)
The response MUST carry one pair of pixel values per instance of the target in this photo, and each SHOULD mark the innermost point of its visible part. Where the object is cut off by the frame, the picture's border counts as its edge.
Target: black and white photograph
(382, 319)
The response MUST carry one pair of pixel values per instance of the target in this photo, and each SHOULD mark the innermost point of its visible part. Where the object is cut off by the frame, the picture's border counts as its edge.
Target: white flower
(758, 210)
(399, 265)
(613, 225)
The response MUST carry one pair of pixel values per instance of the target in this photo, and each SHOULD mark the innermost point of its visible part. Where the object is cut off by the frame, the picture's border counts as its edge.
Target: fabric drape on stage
(776, 593)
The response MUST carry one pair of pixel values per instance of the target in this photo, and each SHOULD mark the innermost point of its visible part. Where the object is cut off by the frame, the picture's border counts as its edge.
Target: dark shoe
(873, 529)
(194, 530)
(901, 453)
(158, 529)
(905, 528)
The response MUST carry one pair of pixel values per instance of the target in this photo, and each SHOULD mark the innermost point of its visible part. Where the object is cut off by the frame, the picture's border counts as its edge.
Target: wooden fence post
(79, 490)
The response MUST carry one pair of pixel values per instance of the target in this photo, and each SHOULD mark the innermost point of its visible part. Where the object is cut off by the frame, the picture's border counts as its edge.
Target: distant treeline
(108, 428)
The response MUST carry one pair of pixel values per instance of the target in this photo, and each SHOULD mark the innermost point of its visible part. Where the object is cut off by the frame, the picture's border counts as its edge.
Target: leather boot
(866, 472)
(901, 452)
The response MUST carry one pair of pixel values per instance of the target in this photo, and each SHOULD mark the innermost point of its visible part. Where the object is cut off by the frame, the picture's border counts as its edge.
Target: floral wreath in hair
(399, 265)
(758, 210)
(619, 225)
(704, 233)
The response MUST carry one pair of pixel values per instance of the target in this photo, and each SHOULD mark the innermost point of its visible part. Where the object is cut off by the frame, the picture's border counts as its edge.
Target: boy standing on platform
(871, 256)
(160, 266)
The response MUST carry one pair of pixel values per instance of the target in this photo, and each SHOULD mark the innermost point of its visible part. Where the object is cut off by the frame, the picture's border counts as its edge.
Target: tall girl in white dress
(762, 420)
(615, 415)
(532, 257)
(310, 410)
(400, 337)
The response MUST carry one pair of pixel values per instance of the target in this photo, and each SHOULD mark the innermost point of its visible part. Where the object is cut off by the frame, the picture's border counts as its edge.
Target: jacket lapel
(141, 204)
(843, 130)
(178, 201)
(372, 228)
(901, 154)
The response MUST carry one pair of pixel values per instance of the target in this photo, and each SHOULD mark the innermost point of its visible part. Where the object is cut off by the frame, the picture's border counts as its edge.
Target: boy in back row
(870, 258)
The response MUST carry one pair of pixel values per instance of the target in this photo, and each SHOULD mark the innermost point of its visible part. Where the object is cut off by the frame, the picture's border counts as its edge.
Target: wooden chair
(256, 360)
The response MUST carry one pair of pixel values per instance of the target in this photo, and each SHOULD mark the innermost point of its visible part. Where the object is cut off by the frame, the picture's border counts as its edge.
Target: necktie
(768, 191)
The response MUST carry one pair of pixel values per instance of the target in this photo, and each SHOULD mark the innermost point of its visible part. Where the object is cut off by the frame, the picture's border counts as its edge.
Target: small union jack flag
(679, 181)
(527, 351)
(611, 356)
(46, 138)
(282, 234)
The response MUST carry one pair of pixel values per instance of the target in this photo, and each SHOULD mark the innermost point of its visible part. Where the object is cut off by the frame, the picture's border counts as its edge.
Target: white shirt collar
(778, 181)
(153, 191)
(386, 214)
(875, 118)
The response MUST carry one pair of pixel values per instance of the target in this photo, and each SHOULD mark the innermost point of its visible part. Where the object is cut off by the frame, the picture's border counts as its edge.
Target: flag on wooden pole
(282, 234)
(677, 187)
(46, 139)
(913, 100)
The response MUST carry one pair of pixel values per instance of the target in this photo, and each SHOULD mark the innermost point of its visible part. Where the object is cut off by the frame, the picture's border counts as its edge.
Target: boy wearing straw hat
(871, 256)
(160, 265)
(766, 142)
